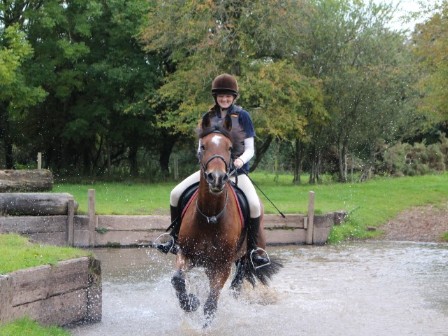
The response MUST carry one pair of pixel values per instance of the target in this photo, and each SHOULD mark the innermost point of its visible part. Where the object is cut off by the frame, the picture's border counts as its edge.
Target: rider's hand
(238, 163)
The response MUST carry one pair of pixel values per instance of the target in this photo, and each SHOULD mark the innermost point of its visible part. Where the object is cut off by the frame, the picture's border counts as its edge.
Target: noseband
(216, 156)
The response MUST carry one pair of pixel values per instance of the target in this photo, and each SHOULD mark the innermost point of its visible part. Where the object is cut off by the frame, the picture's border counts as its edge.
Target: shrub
(418, 159)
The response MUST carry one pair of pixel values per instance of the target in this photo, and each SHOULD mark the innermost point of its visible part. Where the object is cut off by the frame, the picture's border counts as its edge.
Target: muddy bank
(421, 224)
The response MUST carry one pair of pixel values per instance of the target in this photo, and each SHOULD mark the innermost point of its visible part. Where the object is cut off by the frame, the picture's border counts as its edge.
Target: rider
(225, 93)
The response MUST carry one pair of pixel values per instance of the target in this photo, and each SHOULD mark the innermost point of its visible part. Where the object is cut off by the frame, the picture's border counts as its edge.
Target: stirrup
(256, 251)
(173, 249)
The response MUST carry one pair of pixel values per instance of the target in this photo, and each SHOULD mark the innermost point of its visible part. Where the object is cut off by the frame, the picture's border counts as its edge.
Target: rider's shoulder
(237, 109)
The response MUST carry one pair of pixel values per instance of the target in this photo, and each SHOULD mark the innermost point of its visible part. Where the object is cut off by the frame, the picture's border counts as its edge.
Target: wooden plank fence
(94, 230)
(68, 292)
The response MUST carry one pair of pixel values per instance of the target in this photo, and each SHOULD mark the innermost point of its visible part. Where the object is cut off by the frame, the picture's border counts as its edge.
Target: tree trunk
(26, 180)
(35, 204)
(132, 158)
(260, 151)
(316, 162)
(6, 136)
(165, 151)
(298, 160)
(343, 150)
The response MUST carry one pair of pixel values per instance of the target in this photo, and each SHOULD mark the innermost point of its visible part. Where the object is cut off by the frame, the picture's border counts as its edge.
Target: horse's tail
(263, 274)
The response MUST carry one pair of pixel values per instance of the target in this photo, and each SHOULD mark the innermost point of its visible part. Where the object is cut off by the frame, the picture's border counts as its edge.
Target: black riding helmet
(223, 84)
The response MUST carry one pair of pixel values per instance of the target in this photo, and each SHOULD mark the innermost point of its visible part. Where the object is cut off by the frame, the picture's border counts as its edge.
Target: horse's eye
(230, 149)
(202, 148)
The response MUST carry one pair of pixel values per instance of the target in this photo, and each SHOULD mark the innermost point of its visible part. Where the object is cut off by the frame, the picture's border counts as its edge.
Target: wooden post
(92, 217)
(6, 295)
(39, 160)
(70, 223)
(310, 229)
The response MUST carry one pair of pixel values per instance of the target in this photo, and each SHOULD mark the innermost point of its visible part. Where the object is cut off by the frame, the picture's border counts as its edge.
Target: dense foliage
(116, 88)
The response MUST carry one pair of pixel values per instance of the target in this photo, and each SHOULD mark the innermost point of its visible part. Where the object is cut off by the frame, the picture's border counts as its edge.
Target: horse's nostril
(210, 177)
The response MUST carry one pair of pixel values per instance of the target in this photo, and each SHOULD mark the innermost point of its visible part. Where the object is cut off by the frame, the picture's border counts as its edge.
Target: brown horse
(212, 234)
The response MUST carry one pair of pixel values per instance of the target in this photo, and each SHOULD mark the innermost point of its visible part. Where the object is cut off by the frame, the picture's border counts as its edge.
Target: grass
(16, 252)
(121, 198)
(445, 236)
(369, 204)
(27, 327)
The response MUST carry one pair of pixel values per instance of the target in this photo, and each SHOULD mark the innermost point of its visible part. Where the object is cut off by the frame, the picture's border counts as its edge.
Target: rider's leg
(175, 223)
(256, 236)
(175, 213)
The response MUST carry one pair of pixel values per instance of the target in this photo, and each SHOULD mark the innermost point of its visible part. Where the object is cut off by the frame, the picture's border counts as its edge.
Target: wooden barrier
(35, 204)
(65, 293)
(27, 180)
(93, 230)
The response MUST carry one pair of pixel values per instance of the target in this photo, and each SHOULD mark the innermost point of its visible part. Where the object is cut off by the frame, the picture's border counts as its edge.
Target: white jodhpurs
(244, 184)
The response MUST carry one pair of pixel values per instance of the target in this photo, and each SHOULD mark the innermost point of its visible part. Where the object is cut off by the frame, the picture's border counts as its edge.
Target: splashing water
(367, 288)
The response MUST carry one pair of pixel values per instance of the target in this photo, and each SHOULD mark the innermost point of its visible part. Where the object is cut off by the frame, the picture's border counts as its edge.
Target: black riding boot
(252, 241)
(171, 245)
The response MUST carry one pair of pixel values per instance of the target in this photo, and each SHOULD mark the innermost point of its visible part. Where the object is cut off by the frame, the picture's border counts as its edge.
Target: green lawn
(16, 252)
(30, 328)
(369, 204)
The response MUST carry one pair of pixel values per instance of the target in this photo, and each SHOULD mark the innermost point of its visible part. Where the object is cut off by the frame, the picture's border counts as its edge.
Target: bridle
(214, 219)
(216, 156)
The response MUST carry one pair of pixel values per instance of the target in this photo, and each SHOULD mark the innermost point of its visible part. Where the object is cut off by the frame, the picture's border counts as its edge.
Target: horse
(212, 233)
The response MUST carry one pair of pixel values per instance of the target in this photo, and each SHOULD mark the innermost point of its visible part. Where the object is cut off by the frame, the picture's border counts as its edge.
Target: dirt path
(426, 224)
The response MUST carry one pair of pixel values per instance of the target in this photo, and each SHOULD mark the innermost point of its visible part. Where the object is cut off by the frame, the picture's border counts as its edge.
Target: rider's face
(224, 100)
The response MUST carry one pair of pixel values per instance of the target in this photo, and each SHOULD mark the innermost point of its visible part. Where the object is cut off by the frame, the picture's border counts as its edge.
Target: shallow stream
(360, 288)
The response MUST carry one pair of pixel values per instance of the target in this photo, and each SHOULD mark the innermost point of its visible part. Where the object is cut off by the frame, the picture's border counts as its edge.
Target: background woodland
(112, 89)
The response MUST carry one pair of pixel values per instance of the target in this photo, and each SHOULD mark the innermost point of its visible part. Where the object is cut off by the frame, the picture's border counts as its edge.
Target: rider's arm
(249, 151)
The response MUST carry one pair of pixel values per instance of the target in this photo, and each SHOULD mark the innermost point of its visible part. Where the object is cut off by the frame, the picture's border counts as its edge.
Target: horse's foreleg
(217, 280)
(188, 302)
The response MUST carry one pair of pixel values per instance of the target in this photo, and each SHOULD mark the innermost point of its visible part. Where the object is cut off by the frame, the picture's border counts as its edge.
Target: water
(362, 288)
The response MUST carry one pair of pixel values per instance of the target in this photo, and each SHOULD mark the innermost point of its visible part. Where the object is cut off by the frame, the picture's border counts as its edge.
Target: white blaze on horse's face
(216, 161)
(217, 139)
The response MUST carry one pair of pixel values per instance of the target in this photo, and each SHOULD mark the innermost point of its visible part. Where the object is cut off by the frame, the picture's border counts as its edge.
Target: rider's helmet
(223, 84)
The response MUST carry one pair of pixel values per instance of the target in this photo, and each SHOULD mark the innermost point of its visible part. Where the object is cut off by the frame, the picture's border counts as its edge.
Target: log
(29, 180)
(35, 204)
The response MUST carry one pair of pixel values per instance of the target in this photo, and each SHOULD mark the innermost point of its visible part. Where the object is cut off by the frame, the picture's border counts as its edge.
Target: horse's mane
(237, 138)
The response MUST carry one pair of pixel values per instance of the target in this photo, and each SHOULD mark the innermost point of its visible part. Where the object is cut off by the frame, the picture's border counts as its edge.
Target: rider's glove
(238, 163)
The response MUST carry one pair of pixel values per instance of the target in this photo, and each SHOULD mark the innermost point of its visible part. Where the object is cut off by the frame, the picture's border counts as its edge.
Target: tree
(88, 59)
(362, 66)
(16, 94)
(254, 40)
(430, 45)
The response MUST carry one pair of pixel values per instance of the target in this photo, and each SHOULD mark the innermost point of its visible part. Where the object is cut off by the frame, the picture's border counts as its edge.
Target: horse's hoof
(189, 303)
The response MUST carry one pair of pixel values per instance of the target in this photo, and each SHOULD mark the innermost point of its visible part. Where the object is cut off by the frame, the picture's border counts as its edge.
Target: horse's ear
(205, 121)
(228, 122)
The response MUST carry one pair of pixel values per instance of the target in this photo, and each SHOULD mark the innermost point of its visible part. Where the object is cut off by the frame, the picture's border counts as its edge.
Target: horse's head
(216, 152)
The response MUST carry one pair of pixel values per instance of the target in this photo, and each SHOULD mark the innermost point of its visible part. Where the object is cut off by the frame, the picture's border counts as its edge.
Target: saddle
(186, 198)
